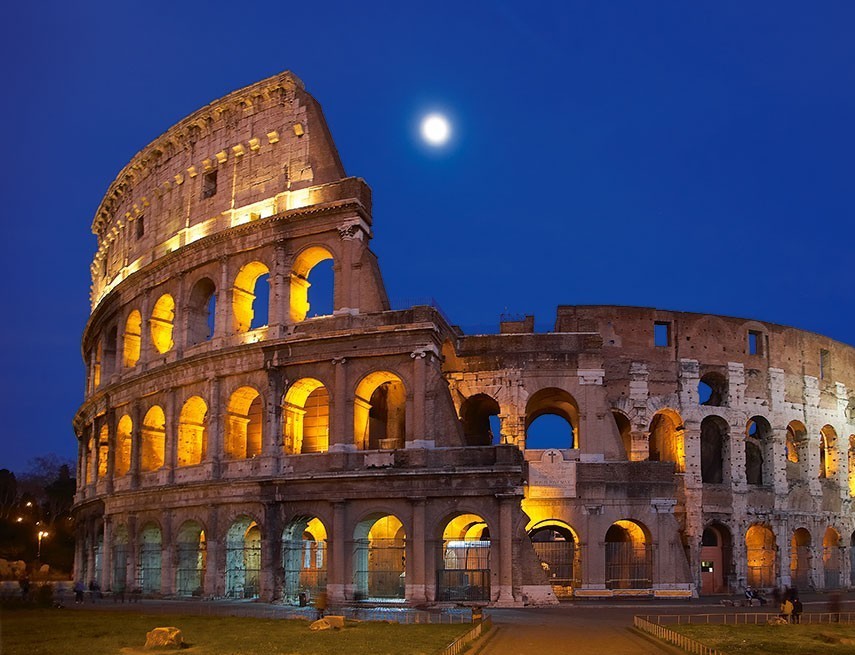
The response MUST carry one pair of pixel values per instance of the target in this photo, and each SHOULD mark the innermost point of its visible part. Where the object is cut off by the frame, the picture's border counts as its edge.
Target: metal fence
(747, 618)
(629, 566)
(560, 563)
(666, 634)
(461, 644)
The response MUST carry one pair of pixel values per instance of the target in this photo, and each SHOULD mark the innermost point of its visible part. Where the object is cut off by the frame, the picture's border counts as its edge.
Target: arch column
(91, 533)
(341, 409)
(215, 429)
(271, 557)
(136, 444)
(506, 553)
(170, 438)
(280, 293)
(416, 572)
(782, 545)
(216, 557)
(167, 554)
(131, 581)
(272, 441)
(337, 572)
(223, 306)
(107, 554)
(111, 449)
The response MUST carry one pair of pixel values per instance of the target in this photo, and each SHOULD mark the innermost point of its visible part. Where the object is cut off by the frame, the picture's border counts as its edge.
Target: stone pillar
(181, 322)
(146, 346)
(222, 325)
(506, 552)
(136, 444)
(79, 553)
(111, 449)
(168, 553)
(131, 581)
(214, 452)
(271, 555)
(416, 433)
(280, 292)
(107, 555)
(170, 446)
(92, 542)
(416, 571)
(215, 564)
(272, 437)
(779, 454)
(782, 543)
(341, 410)
(347, 283)
(337, 571)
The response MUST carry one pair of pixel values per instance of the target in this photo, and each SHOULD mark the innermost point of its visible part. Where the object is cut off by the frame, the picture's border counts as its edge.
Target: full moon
(435, 129)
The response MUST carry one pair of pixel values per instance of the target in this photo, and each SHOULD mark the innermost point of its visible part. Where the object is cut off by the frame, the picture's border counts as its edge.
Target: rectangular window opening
(209, 184)
(755, 342)
(824, 364)
(662, 334)
(140, 229)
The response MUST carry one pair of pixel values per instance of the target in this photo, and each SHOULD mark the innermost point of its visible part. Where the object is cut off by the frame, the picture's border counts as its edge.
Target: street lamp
(42, 535)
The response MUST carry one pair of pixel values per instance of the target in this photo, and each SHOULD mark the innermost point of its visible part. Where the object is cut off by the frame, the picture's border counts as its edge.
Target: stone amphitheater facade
(234, 443)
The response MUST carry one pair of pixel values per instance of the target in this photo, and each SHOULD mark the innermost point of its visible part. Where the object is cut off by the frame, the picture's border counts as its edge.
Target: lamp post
(42, 535)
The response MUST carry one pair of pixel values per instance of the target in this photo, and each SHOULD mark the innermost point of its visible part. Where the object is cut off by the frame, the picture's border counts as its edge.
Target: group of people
(791, 606)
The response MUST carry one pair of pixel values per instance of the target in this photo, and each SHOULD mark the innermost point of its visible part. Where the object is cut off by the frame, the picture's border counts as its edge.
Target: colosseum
(252, 429)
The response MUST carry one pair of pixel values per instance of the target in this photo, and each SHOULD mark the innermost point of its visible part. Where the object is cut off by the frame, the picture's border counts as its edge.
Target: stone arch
(667, 439)
(246, 312)
(132, 338)
(379, 559)
(244, 424)
(304, 558)
(111, 346)
(827, 452)
(761, 556)
(243, 558)
(759, 452)
(201, 311)
(192, 432)
(715, 450)
(153, 439)
(476, 413)
(801, 558)
(624, 428)
(149, 559)
(379, 412)
(463, 573)
(716, 558)
(629, 556)
(306, 417)
(120, 557)
(103, 450)
(553, 401)
(191, 559)
(556, 545)
(831, 557)
(712, 389)
(796, 445)
(306, 260)
(162, 323)
(124, 430)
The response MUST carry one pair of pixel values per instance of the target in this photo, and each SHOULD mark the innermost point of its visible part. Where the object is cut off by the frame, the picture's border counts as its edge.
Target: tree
(8, 493)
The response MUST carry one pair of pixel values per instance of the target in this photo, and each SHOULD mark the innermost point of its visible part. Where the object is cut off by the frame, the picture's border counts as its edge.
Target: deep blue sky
(691, 156)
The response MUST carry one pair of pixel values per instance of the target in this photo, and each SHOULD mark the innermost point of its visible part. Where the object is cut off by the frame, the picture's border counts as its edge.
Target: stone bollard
(164, 638)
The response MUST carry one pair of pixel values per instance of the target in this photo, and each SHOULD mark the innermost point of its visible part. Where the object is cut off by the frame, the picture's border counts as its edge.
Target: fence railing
(748, 618)
(666, 634)
(461, 644)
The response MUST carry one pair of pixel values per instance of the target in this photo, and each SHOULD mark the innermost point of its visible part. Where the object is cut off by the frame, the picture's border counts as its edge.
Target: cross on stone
(552, 455)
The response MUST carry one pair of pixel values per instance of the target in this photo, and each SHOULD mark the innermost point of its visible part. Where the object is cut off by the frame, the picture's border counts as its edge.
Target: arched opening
(243, 558)
(716, 559)
(624, 428)
(201, 310)
(714, 450)
(306, 417)
(132, 339)
(551, 420)
(162, 323)
(556, 546)
(761, 556)
(322, 279)
(796, 443)
(250, 297)
(629, 557)
(191, 560)
(379, 558)
(800, 558)
(96, 365)
(759, 454)
(153, 439)
(192, 432)
(123, 446)
(464, 570)
(831, 547)
(827, 453)
(149, 559)
(666, 443)
(379, 412)
(121, 555)
(475, 415)
(304, 559)
(712, 390)
(243, 424)
(103, 451)
(111, 346)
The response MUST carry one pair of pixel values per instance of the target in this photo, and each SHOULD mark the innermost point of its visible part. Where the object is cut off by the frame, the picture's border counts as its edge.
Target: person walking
(78, 592)
(798, 608)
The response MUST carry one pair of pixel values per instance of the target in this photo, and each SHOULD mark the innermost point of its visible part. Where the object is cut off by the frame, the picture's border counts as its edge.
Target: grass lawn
(70, 632)
(822, 639)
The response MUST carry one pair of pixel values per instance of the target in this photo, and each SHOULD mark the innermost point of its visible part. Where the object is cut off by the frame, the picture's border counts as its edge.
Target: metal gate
(243, 567)
(148, 569)
(305, 565)
(380, 568)
(628, 565)
(190, 574)
(465, 571)
(559, 561)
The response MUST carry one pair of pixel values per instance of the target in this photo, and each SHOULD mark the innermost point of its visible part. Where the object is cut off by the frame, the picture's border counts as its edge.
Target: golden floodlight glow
(435, 129)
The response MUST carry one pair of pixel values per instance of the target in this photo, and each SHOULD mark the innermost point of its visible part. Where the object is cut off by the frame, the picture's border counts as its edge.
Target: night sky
(687, 156)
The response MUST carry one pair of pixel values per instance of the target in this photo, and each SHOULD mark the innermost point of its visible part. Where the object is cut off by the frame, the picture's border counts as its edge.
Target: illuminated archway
(191, 559)
(552, 420)
(192, 432)
(243, 559)
(831, 551)
(124, 428)
(103, 451)
(247, 312)
(715, 447)
(629, 557)
(667, 442)
(476, 414)
(624, 428)
(132, 339)
(796, 443)
(379, 557)
(759, 453)
(761, 556)
(149, 559)
(153, 439)
(557, 547)
(801, 558)
(244, 424)
(827, 452)
(201, 311)
(304, 558)
(464, 566)
(306, 416)
(300, 273)
(379, 412)
(162, 323)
